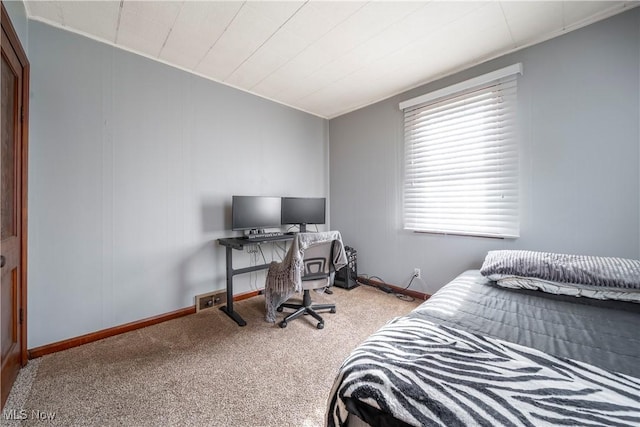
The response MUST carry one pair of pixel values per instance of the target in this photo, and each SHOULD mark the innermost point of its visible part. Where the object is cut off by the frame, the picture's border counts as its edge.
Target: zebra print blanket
(414, 372)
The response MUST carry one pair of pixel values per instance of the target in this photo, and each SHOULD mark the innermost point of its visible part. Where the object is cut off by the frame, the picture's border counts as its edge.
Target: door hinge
(21, 316)
(21, 113)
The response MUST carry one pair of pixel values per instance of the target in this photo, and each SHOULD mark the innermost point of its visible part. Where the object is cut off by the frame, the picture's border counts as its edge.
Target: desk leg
(228, 309)
(235, 316)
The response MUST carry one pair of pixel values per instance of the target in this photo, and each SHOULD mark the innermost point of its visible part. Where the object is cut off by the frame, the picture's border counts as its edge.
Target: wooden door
(13, 91)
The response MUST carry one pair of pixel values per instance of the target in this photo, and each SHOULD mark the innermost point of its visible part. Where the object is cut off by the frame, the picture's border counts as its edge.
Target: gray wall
(132, 169)
(18, 16)
(578, 123)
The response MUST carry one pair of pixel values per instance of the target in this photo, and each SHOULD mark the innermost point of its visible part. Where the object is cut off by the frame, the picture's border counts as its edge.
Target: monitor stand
(303, 228)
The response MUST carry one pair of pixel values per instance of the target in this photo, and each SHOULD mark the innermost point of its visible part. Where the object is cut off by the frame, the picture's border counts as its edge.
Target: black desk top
(239, 242)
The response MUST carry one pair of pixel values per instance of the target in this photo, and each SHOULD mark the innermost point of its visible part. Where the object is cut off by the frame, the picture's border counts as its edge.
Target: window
(461, 158)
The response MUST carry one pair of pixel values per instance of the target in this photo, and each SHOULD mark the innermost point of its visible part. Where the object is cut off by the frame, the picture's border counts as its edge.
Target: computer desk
(237, 243)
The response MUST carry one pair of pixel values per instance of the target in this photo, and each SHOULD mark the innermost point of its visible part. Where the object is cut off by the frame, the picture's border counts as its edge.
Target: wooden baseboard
(395, 289)
(116, 330)
(109, 332)
(240, 297)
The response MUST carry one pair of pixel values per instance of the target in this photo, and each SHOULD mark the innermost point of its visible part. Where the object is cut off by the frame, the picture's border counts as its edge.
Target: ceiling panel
(315, 20)
(250, 29)
(276, 52)
(197, 28)
(277, 11)
(305, 63)
(324, 57)
(576, 12)
(144, 26)
(49, 11)
(255, 69)
(284, 43)
(99, 18)
(478, 34)
(529, 19)
(369, 20)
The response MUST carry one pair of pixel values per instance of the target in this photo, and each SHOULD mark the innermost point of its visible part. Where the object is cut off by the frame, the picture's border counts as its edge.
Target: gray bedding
(582, 270)
(603, 333)
(480, 354)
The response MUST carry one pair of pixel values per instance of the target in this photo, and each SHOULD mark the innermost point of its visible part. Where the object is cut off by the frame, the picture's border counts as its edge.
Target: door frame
(14, 43)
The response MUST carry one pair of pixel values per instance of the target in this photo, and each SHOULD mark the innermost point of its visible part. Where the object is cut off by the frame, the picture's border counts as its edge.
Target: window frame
(508, 217)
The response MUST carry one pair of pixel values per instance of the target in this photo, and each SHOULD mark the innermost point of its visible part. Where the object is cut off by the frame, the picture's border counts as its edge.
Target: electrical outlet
(417, 273)
(210, 299)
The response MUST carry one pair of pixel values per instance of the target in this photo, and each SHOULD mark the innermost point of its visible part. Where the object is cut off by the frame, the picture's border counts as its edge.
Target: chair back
(318, 264)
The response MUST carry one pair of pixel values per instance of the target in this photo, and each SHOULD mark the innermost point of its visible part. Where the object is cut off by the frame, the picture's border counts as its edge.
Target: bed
(494, 347)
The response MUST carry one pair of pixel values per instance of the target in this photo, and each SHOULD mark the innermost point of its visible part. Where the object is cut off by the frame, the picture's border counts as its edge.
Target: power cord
(405, 297)
(291, 227)
(283, 247)
(297, 227)
(262, 253)
(367, 277)
(384, 287)
(254, 252)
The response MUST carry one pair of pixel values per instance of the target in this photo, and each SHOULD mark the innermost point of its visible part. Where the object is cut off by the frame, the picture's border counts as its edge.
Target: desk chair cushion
(286, 277)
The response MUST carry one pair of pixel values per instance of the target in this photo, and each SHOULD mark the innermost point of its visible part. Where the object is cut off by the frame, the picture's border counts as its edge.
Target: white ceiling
(323, 57)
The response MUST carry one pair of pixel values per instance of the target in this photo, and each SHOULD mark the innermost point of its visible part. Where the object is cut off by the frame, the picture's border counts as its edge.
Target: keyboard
(265, 236)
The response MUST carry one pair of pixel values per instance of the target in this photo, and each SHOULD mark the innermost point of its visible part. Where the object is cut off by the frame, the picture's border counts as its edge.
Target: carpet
(204, 370)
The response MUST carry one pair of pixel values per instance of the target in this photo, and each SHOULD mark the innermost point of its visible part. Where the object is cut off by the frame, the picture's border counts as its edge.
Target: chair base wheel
(305, 309)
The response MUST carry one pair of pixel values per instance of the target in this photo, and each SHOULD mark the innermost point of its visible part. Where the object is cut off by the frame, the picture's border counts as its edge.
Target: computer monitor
(303, 210)
(255, 212)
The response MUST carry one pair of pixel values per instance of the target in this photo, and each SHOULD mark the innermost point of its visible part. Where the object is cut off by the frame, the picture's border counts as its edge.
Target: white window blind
(461, 162)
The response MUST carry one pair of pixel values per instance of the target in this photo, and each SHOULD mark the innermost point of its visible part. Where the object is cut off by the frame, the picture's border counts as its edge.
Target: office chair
(319, 262)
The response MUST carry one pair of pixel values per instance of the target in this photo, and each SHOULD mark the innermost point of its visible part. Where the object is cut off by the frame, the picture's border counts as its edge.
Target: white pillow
(573, 289)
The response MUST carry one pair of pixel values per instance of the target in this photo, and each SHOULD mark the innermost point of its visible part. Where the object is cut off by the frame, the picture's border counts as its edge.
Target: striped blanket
(618, 273)
(414, 372)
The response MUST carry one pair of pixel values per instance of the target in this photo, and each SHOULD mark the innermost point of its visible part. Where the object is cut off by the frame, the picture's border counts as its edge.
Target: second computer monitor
(303, 210)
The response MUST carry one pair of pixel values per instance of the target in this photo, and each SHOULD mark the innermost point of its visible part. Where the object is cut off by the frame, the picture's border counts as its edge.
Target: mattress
(477, 354)
(604, 333)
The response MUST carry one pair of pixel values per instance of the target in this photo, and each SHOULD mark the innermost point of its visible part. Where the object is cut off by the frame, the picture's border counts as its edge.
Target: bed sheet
(604, 333)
